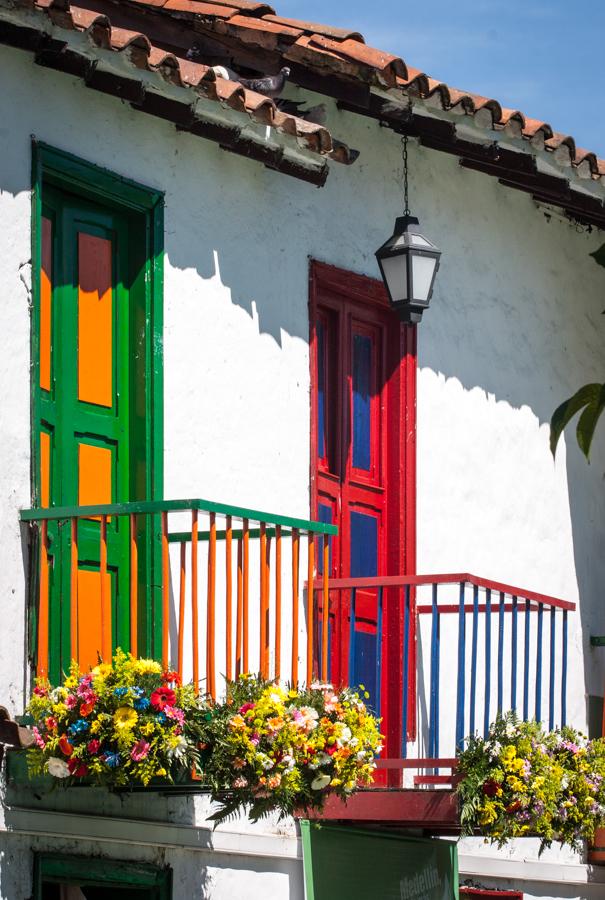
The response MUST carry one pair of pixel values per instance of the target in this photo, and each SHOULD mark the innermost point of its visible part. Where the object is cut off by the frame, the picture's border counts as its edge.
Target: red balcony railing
(459, 649)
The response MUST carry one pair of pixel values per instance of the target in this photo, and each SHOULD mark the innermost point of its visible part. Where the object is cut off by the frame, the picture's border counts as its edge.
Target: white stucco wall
(514, 328)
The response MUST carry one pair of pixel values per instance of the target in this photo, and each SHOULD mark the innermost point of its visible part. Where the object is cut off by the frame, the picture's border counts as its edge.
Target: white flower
(265, 761)
(495, 749)
(179, 748)
(288, 761)
(275, 698)
(57, 767)
(323, 759)
(320, 782)
(345, 734)
(353, 742)
(510, 731)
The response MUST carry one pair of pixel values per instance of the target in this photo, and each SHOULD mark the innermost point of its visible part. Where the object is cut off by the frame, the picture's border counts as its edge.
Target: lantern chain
(406, 202)
(404, 144)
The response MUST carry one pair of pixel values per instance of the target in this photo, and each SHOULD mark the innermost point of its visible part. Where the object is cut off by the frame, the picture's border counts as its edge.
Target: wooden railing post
(277, 602)
(74, 589)
(134, 585)
(210, 614)
(43, 603)
(295, 580)
(165, 591)
(310, 603)
(228, 599)
(194, 605)
(106, 642)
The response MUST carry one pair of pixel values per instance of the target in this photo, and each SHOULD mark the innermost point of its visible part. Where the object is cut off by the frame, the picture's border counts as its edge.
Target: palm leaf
(588, 422)
(585, 396)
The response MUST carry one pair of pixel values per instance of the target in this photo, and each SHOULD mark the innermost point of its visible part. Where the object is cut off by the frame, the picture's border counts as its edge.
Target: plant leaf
(561, 417)
(599, 255)
(588, 422)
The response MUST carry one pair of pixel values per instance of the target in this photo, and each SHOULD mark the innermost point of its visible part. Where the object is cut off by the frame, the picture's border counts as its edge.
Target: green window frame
(52, 168)
(153, 883)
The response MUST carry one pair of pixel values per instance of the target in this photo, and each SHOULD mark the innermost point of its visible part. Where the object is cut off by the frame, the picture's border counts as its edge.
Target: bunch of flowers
(521, 780)
(280, 749)
(122, 723)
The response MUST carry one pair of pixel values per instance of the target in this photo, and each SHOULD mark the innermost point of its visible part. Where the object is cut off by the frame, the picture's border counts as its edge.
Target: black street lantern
(408, 264)
(408, 260)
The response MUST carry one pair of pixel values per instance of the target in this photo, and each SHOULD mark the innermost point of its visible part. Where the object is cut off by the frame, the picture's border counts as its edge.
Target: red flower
(64, 746)
(162, 697)
(490, 788)
(513, 807)
(246, 708)
(87, 708)
(40, 691)
(93, 746)
(51, 723)
(174, 677)
(77, 767)
(331, 749)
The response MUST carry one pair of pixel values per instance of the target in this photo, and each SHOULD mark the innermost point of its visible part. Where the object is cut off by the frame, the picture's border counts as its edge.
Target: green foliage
(590, 399)
(522, 781)
(275, 749)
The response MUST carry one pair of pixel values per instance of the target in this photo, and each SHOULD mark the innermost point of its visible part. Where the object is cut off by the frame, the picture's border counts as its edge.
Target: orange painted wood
(277, 602)
(94, 474)
(246, 580)
(310, 604)
(43, 598)
(46, 304)
(182, 600)
(44, 469)
(263, 645)
(194, 606)
(239, 611)
(228, 599)
(73, 618)
(210, 613)
(90, 617)
(134, 585)
(295, 581)
(95, 319)
(105, 595)
(325, 616)
(165, 591)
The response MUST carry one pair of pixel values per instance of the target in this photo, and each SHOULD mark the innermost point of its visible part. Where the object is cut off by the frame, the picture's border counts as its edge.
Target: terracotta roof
(338, 63)
(44, 27)
(249, 36)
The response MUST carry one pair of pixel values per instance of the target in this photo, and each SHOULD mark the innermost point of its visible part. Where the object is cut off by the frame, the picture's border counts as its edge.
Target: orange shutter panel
(45, 304)
(95, 316)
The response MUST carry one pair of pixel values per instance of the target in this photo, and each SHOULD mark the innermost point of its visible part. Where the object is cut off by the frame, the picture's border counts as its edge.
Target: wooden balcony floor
(432, 810)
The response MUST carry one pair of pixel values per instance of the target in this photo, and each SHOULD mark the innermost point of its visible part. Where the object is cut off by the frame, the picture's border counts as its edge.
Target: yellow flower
(102, 670)
(161, 771)
(95, 726)
(148, 728)
(125, 718)
(147, 667)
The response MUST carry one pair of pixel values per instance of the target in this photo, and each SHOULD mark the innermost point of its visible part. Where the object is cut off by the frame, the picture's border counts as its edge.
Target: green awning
(358, 864)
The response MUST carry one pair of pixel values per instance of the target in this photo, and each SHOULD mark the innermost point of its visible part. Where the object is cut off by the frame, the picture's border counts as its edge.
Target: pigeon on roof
(316, 114)
(269, 85)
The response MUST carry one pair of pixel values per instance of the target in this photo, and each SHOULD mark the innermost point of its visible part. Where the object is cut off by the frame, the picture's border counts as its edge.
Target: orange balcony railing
(207, 588)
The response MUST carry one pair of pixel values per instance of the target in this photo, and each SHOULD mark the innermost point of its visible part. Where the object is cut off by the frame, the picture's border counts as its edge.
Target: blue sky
(544, 57)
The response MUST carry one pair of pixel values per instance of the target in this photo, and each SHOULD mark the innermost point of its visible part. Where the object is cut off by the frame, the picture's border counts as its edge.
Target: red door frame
(331, 285)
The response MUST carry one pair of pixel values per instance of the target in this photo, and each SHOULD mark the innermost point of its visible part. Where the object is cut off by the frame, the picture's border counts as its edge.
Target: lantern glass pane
(423, 268)
(396, 276)
(417, 240)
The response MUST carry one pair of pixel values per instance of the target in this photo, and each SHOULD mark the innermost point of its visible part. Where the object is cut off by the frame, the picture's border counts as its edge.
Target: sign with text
(357, 864)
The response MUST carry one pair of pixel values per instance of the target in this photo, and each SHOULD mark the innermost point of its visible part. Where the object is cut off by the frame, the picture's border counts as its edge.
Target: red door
(363, 478)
